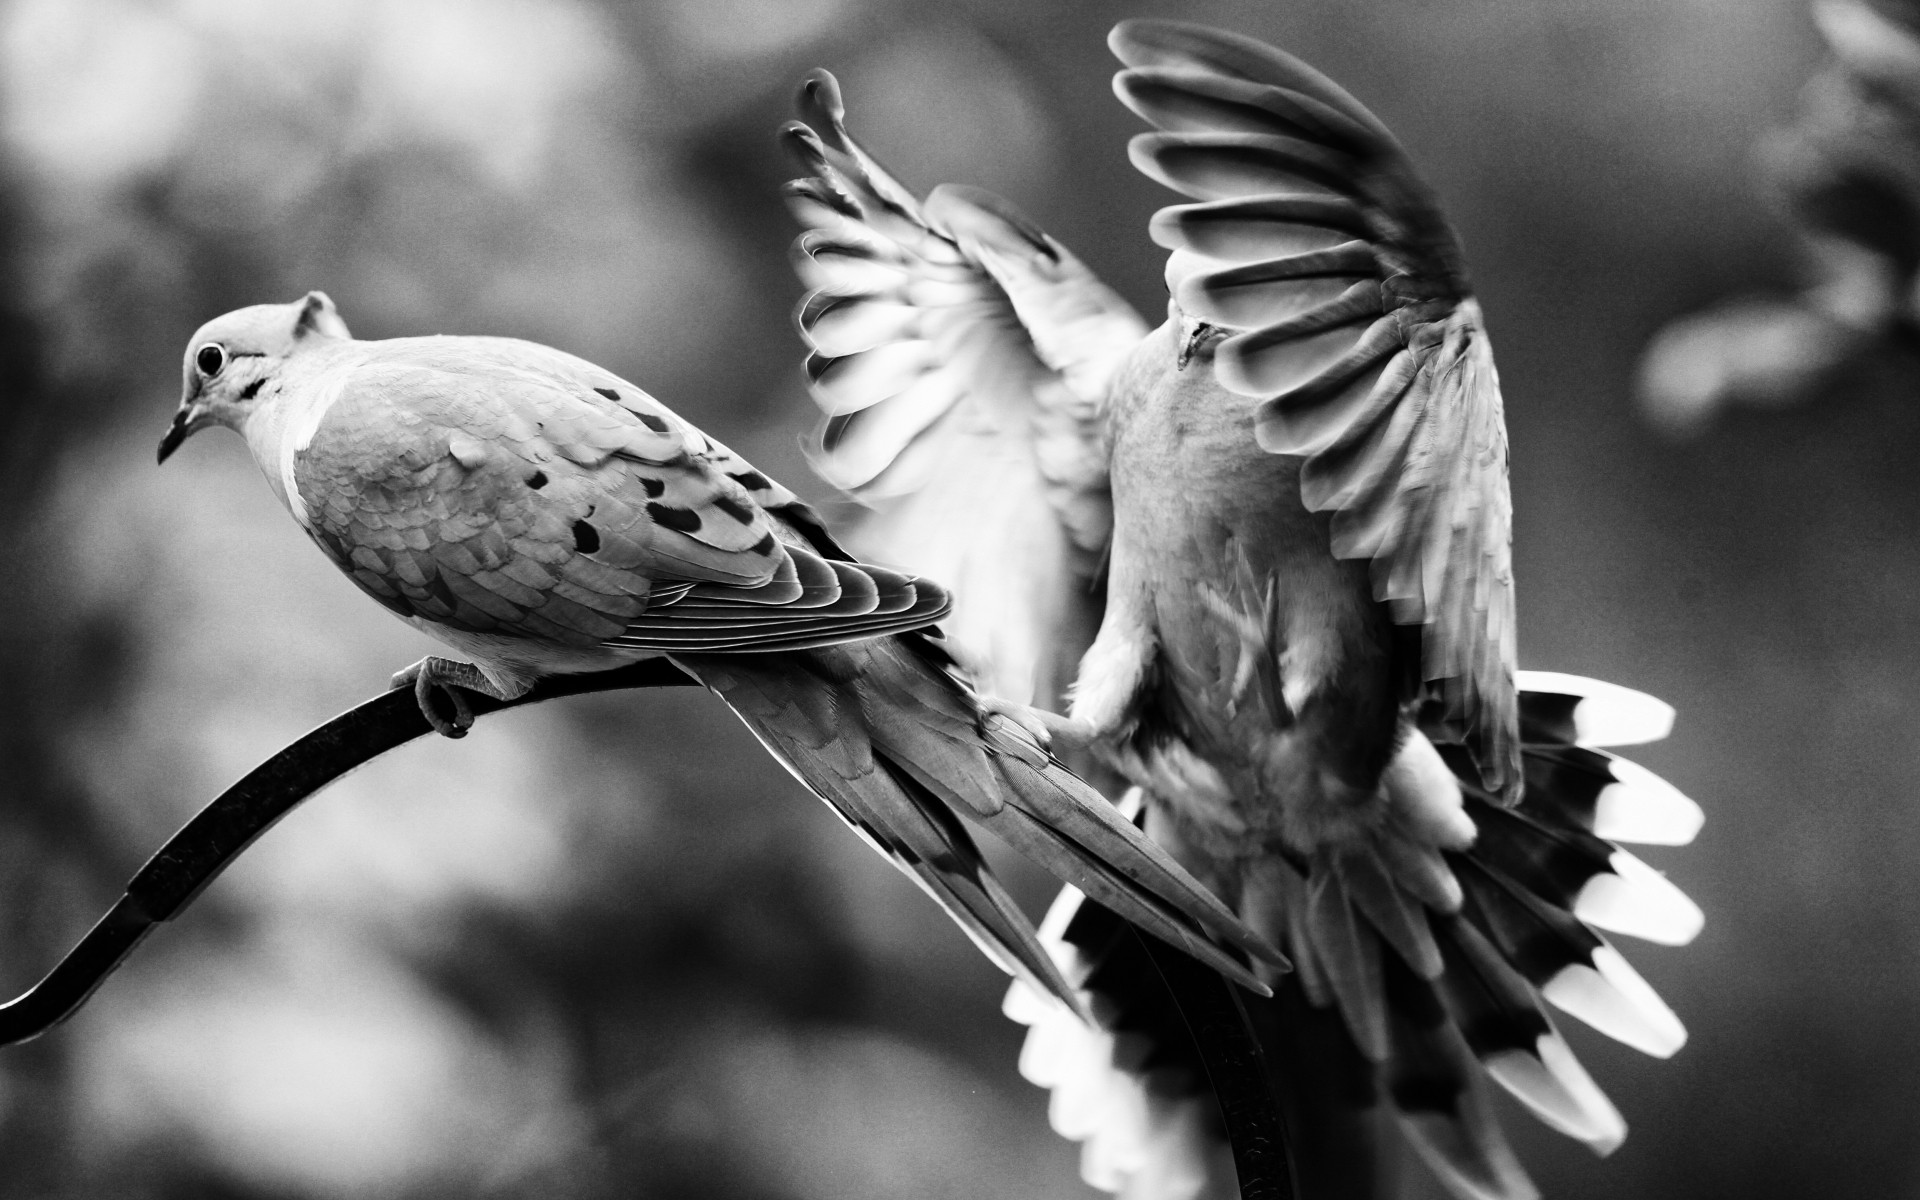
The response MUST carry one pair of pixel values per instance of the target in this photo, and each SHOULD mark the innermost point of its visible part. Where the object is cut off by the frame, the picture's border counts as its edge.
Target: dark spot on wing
(253, 389)
(654, 486)
(395, 604)
(753, 481)
(683, 519)
(657, 424)
(438, 589)
(586, 539)
(765, 545)
(609, 393)
(733, 508)
(331, 543)
(537, 480)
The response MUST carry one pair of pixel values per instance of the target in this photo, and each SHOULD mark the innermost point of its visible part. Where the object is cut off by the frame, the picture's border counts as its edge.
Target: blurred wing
(962, 357)
(1325, 260)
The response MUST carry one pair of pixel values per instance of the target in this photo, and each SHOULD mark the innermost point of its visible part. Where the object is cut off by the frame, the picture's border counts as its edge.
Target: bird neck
(293, 403)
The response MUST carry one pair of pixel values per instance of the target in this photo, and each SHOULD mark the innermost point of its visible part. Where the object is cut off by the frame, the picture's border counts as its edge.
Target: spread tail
(1415, 985)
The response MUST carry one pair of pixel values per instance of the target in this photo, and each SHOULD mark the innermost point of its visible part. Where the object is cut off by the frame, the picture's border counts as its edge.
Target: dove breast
(1273, 653)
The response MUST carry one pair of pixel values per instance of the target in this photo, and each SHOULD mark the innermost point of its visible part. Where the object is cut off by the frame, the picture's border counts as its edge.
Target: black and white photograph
(892, 600)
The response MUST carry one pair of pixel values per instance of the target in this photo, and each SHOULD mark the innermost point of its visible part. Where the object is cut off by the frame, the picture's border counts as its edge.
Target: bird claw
(1050, 731)
(1027, 719)
(432, 677)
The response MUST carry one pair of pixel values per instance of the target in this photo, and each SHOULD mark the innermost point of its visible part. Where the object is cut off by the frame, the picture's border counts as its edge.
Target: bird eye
(211, 359)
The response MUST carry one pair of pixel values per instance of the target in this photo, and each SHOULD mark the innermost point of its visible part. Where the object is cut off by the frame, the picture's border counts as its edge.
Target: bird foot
(1051, 731)
(452, 680)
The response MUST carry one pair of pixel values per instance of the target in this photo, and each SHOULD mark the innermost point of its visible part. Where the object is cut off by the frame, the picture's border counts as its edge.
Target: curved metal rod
(205, 845)
(1211, 1006)
(216, 835)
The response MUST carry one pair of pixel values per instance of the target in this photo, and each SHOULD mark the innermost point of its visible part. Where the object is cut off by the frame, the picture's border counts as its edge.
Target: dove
(1268, 544)
(543, 516)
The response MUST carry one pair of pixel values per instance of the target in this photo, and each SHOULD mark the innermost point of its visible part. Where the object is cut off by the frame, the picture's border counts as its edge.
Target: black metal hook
(205, 845)
(1217, 1018)
(216, 835)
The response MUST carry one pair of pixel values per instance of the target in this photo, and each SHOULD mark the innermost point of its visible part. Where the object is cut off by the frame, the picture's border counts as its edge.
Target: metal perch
(214, 837)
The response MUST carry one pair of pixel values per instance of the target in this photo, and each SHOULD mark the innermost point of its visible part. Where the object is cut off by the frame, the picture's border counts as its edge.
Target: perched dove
(1296, 491)
(544, 516)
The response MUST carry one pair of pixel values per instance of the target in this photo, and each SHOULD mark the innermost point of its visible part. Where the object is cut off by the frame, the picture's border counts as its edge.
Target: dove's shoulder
(500, 389)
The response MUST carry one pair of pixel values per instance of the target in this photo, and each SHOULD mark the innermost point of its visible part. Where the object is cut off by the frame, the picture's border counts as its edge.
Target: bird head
(231, 357)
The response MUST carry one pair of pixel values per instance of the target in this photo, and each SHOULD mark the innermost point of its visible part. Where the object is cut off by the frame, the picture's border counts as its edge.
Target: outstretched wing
(497, 487)
(961, 356)
(1324, 259)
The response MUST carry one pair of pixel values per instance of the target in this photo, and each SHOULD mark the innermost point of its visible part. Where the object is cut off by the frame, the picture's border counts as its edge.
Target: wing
(498, 487)
(961, 356)
(1324, 260)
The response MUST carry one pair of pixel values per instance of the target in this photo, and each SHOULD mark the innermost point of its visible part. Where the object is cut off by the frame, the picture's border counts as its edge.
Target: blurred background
(605, 947)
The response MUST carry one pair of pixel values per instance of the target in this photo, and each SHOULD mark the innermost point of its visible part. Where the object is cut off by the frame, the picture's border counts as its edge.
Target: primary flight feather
(1294, 491)
(543, 516)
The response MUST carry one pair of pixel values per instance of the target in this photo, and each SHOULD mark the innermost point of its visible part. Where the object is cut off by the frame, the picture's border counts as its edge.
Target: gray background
(606, 948)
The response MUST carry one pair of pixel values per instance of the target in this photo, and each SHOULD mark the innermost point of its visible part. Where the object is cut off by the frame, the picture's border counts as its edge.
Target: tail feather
(1433, 1082)
(1634, 899)
(1598, 882)
(1067, 860)
(1134, 1097)
(1394, 913)
(1502, 1022)
(895, 745)
(994, 772)
(1462, 1143)
(949, 867)
(1162, 1137)
(1552, 1083)
(927, 844)
(1082, 817)
(1608, 796)
(1573, 966)
(1349, 953)
(1557, 709)
(1512, 930)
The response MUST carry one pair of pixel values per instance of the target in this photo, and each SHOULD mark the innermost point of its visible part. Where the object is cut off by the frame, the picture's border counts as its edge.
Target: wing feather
(500, 487)
(961, 356)
(1321, 253)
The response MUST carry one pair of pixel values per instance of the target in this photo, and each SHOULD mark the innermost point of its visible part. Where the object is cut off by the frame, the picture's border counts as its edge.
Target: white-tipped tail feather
(1643, 808)
(1606, 714)
(1134, 1143)
(1612, 997)
(1639, 901)
(1557, 1089)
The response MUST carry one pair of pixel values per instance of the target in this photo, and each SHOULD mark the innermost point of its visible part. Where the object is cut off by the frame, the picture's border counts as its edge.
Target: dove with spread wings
(1275, 533)
(544, 516)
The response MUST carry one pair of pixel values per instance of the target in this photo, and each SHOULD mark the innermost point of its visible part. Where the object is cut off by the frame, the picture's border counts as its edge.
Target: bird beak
(191, 417)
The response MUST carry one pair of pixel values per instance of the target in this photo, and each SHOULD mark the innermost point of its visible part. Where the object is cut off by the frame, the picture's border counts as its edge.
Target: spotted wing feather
(499, 487)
